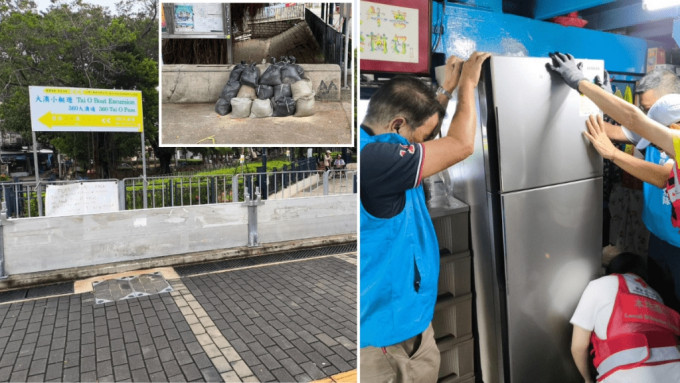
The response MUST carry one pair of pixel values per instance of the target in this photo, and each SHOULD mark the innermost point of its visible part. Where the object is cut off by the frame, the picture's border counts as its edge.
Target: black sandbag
(230, 90)
(283, 106)
(298, 68)
(222, 106)
(265, 92)
(272, 75)
(282, 90)
(289, 74)
(235, 74)
(250, 76)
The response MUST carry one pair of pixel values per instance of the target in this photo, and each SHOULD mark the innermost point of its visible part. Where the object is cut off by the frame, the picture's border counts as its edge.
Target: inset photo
(241, 74)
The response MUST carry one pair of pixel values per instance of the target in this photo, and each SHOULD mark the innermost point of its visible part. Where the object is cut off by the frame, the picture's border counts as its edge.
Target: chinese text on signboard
(85, 110)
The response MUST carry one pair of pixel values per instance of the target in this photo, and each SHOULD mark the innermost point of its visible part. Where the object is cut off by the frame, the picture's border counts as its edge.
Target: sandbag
(265, 92)
(235, 74)
(247, 91)
(301, 88)
(230, 90)
(261, 108)
(222, 106)
(304, 106)
(250, 75)
(271, 75)
(283, 106)
(282, 90)
(240, 107)
(289, 74)
(298, 68)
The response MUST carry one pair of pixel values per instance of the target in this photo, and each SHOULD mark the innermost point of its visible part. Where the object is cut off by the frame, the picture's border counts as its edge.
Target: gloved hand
(606, 84)
(566, 66)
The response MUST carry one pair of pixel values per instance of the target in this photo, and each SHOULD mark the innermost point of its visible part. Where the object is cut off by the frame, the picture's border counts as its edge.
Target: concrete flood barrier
(327, 216)
(51, 248)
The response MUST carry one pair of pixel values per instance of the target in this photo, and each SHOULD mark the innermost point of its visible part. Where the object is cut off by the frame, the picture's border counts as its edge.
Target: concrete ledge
(75, 273)
(203, 83)
(48, 243)
(142, 237)
(328, 215)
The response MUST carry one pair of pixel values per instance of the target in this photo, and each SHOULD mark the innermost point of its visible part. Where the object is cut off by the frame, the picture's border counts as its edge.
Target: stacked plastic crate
(452, 320)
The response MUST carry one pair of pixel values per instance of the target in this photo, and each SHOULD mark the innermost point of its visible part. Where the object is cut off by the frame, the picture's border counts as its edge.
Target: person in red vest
(634, 335)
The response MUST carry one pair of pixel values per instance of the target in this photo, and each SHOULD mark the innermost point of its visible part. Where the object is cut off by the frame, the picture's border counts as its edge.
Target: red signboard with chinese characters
(395, 36)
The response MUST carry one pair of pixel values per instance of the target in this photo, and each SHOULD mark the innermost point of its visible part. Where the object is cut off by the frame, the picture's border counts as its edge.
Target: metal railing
(20, 199)
(330, 40)
(174, 191)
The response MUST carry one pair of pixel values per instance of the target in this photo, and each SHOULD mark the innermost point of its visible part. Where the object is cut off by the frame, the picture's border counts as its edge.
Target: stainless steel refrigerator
(534, 186)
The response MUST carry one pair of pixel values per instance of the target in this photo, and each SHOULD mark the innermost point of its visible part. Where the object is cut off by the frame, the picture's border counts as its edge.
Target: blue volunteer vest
(399, 267)
(656, 211)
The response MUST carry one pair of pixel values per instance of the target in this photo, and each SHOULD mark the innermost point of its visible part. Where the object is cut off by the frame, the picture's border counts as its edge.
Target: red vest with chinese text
(641, 330)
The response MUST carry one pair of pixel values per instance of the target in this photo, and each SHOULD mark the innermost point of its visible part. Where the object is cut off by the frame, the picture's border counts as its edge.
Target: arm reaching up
(623, 112)
(460, 139)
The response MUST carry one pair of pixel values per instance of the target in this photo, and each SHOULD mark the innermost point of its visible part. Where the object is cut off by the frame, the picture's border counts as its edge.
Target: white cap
(665, 111)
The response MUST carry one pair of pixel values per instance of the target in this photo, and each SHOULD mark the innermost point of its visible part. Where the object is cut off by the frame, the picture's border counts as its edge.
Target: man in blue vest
(399, 251)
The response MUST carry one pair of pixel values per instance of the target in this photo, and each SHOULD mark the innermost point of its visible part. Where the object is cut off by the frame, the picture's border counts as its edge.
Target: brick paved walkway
(291, 321)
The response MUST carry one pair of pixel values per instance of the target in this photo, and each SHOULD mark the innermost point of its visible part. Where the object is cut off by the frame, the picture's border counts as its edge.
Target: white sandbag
(261, 108)
(247, 91)
(302, 88)
(304, 106)
(240, 107)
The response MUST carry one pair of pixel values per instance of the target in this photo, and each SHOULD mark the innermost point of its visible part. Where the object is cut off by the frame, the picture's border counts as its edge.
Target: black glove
(567, 68)
(606, 85)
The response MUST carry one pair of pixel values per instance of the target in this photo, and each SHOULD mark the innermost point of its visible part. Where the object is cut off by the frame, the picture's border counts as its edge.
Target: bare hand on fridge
(452, 73)
(473, 67)
(597, 135)
(565, 66)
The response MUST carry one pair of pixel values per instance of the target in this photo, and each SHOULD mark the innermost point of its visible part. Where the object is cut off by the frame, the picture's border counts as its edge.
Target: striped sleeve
(419, 175)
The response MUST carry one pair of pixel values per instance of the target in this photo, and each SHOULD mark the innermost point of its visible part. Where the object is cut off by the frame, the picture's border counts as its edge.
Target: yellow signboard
(85, 110)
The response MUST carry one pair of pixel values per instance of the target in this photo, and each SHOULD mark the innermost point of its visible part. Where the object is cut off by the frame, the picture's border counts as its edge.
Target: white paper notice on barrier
(81, 198)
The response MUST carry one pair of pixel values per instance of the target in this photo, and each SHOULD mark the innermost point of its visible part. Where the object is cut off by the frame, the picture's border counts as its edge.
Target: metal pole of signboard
(227, 32)
(345, 58)
(145, 204)
(37, 175)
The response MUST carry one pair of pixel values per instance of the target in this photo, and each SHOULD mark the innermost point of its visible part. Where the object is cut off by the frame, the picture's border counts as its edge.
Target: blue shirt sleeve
(387, 171)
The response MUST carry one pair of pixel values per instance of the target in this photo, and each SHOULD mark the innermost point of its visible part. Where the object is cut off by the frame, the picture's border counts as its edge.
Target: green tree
(80, 45)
